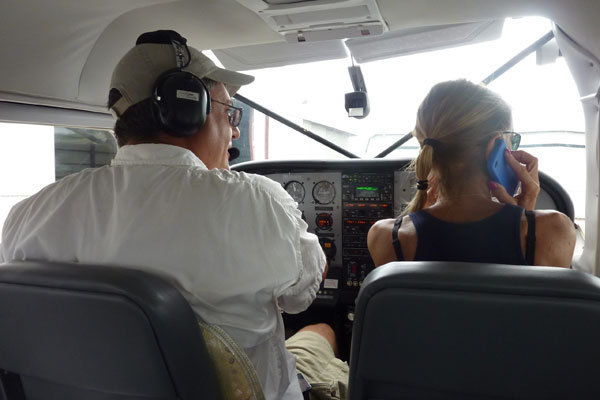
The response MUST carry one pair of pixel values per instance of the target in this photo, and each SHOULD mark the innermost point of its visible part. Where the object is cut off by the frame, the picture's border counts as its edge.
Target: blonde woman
(453, 216)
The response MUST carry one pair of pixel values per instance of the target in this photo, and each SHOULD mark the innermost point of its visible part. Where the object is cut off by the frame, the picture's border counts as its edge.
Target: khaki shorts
(327, 374)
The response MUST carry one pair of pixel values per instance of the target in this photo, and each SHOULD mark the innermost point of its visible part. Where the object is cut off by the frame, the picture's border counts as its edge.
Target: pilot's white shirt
(233, 243)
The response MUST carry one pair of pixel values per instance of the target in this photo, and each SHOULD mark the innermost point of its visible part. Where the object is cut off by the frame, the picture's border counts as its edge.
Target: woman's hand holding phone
(526, 168)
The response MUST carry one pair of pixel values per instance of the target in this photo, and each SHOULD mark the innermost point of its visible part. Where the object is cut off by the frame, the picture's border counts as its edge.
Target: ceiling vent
(315, 20)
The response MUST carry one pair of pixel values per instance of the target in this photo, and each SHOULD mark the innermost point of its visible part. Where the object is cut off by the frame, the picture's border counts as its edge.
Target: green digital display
(366, 192)
(367, 188)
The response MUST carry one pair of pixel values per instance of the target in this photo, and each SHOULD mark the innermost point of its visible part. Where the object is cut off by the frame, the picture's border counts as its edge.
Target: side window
(245, 141)
(79, 148)
(33, 156)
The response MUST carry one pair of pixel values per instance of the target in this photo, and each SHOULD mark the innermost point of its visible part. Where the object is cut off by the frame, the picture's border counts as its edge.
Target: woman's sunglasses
(512, 139)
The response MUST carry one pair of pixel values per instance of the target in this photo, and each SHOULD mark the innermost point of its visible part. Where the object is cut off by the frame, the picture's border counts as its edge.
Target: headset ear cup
(181, 102)
(159, 105)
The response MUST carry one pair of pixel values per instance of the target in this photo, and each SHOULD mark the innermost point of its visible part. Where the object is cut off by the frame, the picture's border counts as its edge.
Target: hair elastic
(422, 185)
(431, 142)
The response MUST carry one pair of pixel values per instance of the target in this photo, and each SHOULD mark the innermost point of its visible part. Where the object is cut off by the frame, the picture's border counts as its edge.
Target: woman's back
(507, 236)
(494, 239)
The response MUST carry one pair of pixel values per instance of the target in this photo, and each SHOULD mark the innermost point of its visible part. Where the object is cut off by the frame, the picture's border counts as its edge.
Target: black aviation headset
(181, 101)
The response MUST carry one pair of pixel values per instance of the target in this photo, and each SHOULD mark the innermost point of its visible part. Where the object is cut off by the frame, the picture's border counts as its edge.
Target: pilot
(453, 216)
(234, 244)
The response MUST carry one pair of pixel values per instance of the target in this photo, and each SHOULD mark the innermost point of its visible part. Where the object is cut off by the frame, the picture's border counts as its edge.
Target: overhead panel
(418, 40)
(45, 46)
(279, 54)
(317, 20)
(390, 44)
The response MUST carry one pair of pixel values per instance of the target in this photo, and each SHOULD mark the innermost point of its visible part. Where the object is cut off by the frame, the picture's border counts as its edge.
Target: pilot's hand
(526, 167)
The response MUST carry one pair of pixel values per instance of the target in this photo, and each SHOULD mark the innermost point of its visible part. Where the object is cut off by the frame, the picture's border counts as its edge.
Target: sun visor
(317, 20)
(279, 54)
(418, 40)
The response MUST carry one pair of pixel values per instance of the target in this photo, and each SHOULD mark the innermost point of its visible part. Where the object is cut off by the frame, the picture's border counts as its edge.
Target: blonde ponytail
(454, 123)
(422, 166)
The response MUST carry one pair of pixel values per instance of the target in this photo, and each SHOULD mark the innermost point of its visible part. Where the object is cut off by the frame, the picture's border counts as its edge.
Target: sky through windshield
(315, 91)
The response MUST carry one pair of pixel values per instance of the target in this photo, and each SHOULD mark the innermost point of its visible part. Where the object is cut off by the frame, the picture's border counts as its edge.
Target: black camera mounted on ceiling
(181, 101)
(357, 102)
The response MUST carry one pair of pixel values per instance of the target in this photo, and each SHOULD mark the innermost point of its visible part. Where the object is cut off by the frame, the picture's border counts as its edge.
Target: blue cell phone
(499, 169)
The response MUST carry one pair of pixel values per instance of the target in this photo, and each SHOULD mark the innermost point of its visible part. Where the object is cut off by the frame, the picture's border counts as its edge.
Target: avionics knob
(328, 247)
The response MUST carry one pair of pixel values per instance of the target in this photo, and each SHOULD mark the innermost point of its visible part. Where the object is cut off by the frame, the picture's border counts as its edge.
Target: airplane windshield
(544, 99)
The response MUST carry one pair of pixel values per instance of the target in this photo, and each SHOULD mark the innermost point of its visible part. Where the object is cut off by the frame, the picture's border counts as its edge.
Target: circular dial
(296, 190)
(323, 192)
(324, 221)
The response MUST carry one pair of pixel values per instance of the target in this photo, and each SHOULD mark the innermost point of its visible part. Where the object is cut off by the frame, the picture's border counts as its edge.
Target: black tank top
(495, 239)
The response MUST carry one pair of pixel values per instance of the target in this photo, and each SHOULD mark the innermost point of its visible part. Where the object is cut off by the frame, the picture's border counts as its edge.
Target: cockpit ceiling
(61, 53)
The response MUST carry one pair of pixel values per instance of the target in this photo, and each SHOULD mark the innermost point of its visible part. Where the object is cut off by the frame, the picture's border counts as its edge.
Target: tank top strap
(395, 241)
(530, 239)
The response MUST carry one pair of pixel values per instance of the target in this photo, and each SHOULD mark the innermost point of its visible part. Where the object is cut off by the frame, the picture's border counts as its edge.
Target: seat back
(553, 196)
(433, 330)
(72, 331)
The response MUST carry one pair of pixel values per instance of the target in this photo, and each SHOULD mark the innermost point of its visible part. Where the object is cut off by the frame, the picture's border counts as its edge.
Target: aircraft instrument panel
(340, 207)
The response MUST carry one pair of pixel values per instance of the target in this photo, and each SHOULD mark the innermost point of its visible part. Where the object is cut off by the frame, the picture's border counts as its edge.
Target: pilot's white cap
(136, 73)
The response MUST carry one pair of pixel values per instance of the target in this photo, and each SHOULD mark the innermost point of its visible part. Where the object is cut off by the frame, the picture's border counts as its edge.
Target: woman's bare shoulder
(379, 240)
(554, 220)
(555, 238)
(380, 234)
(382, 226)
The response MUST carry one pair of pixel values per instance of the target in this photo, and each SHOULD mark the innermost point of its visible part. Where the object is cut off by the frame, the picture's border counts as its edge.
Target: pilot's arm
(304, 259)
(312, 268)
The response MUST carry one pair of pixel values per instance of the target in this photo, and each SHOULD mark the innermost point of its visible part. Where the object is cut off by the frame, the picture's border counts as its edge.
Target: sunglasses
(512, 139)
(234, 113)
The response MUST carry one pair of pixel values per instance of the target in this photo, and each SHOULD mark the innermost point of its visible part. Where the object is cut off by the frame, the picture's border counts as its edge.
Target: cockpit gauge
(296, 190)
(324, 221)
(323, 192)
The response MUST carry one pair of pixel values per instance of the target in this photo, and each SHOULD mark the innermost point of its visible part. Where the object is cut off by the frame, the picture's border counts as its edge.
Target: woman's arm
(554, 231)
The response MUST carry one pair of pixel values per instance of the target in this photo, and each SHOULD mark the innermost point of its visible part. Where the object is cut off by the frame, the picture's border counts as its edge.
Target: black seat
(72, 331)
(554, 197)
(433, 330)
